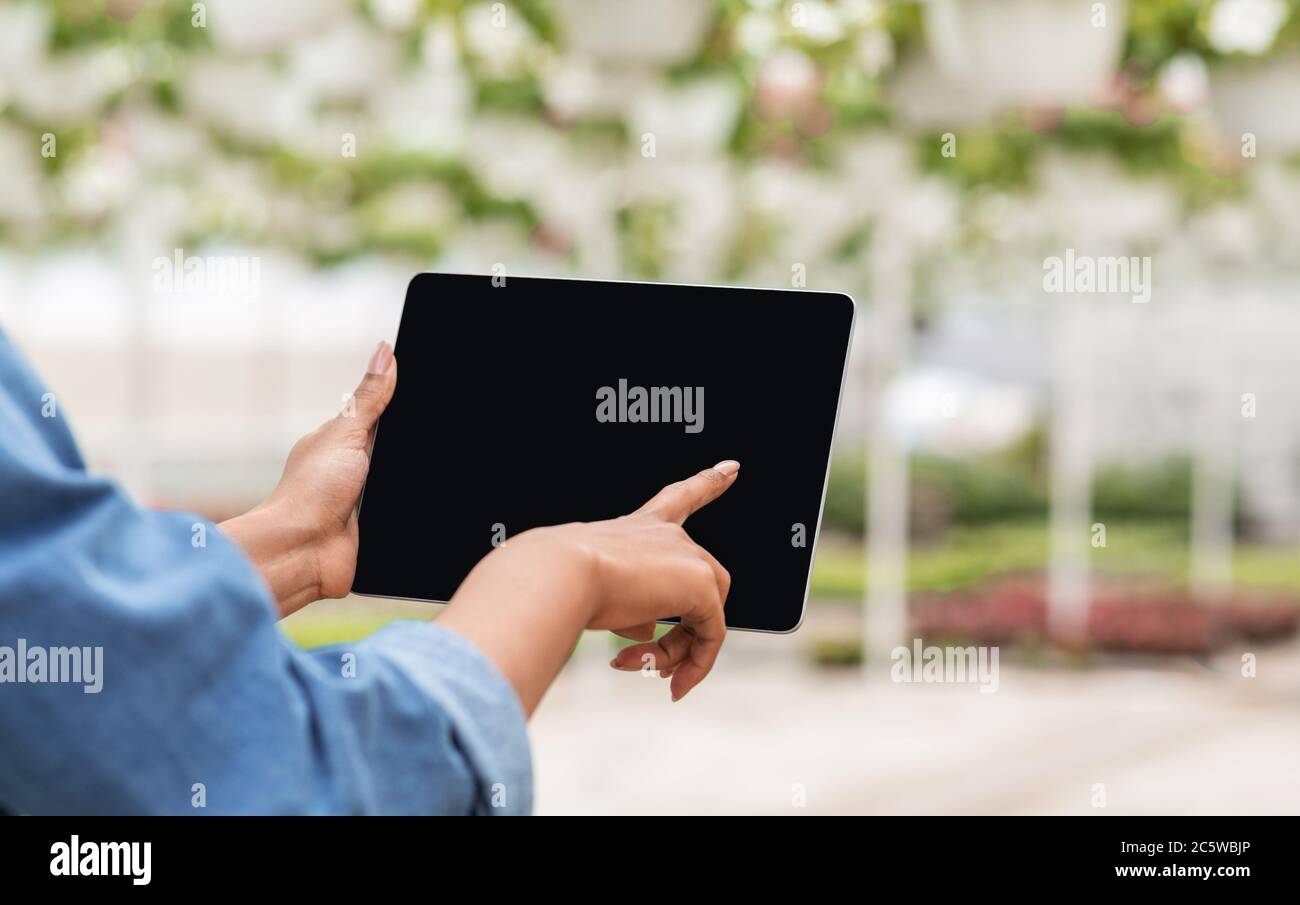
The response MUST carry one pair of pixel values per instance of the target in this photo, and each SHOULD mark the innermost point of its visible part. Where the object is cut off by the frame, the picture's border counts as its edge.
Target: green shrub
(1160, 490)
(846, 493)
(1006, 486)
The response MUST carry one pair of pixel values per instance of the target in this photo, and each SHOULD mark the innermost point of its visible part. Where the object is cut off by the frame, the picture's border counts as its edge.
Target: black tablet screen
(544, 401)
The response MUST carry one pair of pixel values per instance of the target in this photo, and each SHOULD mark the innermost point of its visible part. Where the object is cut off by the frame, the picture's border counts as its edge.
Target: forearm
(283, 551)
(524, 606)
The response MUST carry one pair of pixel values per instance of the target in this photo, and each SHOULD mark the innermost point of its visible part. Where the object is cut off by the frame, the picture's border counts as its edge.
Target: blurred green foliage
(1007, 486)
(850, 100)
(1003, 155)
(968, 555)
(1160, 29)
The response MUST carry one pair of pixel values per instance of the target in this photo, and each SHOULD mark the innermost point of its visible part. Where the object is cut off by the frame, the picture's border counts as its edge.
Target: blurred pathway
(769, 730)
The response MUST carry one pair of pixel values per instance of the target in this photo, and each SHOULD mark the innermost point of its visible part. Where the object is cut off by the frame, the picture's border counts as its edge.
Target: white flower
(438, 47)
(426, 111)
(250, 26)
(1183, 81)
(860, 11)
(395, 14)
(756, 33)
(69, 87)
(24, 33)
(20, 196)
(219, 91)
(698, 117)
(786, 82)
(1248, 26)
(347, 61)
(478, 247)
(498, 35)
(817, 21)
(417, 208)
(875, 50)
(575, 86)
(99, 183)
(658, 33)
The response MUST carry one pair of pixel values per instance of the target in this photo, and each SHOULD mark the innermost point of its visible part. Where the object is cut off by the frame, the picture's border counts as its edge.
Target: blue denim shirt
(203, 704)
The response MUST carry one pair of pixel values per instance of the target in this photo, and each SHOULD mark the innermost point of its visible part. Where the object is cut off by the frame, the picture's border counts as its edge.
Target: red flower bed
(1136, 615)
(1153, 626)
(1260, 618)
(1010, 610)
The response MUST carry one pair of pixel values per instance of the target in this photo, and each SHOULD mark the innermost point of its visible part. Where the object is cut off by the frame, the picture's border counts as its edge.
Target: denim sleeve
(483, 719)
(142, 670)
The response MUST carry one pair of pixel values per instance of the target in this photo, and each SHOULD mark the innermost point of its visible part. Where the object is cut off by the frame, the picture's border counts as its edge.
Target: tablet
(524, 401)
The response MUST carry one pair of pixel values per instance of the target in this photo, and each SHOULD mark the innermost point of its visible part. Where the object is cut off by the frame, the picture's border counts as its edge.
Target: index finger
(677, 501)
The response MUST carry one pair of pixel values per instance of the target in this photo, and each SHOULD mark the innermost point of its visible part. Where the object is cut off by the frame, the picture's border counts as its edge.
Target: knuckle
(366, 394)
(710, 476)
(703, 575)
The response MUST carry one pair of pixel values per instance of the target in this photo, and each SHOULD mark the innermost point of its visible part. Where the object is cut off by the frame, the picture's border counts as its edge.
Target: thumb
(376, 388)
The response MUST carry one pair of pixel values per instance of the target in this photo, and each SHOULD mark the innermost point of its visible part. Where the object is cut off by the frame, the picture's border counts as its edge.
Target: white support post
(1071, 471)
(1213, 461)
(885, 603)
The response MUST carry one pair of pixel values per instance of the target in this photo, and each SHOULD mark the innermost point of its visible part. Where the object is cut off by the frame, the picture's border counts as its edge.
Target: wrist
(541, 572)
(283, 549)
(526, 604)
(561, 556)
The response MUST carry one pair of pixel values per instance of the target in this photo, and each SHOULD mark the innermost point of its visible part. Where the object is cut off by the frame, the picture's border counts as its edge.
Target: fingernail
(727, 466)
(614, 663)
(678, 697)
(379, 360)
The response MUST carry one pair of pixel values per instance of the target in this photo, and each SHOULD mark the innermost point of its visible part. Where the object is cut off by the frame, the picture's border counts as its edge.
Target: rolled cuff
(488, 724)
